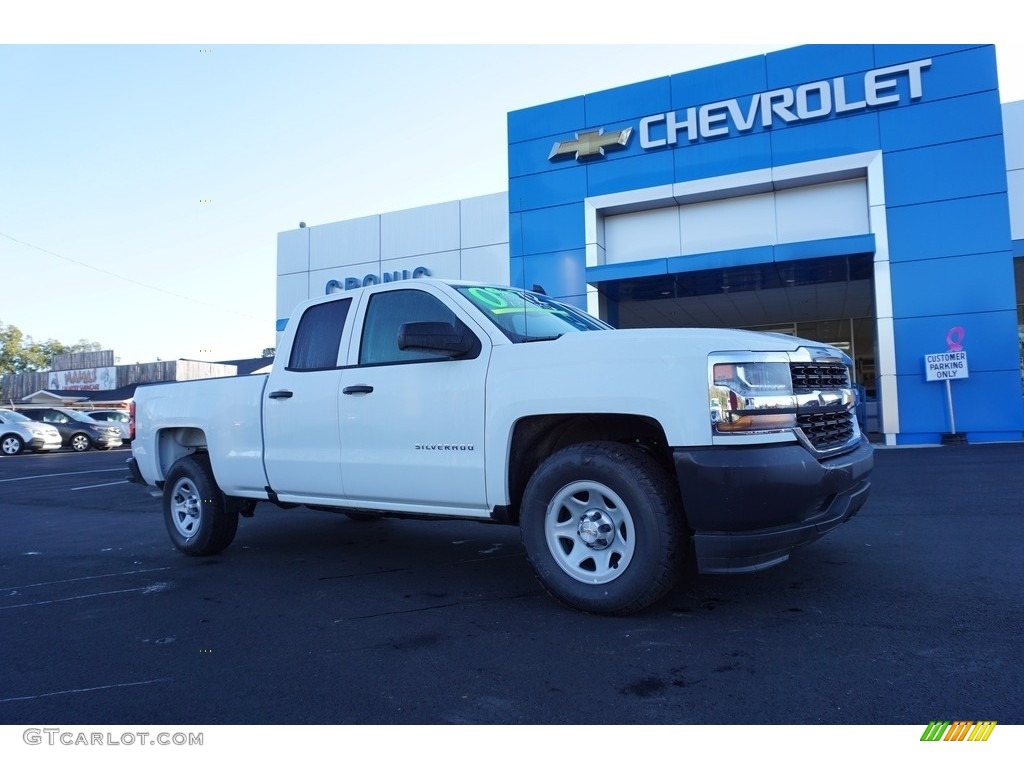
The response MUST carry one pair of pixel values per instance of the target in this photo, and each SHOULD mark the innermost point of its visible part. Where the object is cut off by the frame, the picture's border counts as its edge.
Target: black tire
(603, 528)
(80, 442)
(11, 445)
(198, 519)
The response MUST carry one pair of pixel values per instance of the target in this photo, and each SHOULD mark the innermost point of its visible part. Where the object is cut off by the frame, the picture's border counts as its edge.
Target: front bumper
(750, 507)
(107, 441)
(44, 443)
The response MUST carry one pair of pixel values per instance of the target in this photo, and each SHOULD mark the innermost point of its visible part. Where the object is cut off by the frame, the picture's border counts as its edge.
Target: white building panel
(642, 235)
(430, 229)
(722, 225)
(484, 220)
(486, 264)
(292, 251)
(291, 289)
(822, 211)
(343, 243)
(1013, 134)
(799, 213)
(1015, 193)
(319, 278)
(442, 265)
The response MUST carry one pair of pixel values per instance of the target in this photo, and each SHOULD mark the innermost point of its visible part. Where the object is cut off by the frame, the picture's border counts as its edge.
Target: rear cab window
(317, 341)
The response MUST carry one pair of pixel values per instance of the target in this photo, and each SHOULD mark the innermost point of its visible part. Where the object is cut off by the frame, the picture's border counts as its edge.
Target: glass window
(525, 316)
(386, 314)
(318, 338)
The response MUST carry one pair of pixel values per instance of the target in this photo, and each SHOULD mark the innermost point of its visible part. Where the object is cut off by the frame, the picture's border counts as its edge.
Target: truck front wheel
(197, 517)
(603, 528)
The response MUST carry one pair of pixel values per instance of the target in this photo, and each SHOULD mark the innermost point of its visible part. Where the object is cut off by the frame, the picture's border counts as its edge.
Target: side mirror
(443, 338)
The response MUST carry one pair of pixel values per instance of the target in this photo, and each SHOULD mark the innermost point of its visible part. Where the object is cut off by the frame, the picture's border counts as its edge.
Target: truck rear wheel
(603, 528)
(197, 517)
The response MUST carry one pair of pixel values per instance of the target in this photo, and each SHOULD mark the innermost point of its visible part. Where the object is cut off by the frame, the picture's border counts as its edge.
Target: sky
(147, 165)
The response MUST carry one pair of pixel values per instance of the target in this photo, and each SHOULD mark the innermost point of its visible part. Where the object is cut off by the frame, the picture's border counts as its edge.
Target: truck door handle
(358, 389)
(280, 394)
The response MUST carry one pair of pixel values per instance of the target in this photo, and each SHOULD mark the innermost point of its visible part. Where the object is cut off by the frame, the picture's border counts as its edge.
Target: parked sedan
(18, 432)
(77, 430)
(115, 417)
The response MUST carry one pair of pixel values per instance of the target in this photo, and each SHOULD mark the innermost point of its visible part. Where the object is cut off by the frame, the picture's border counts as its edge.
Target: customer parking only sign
(946, 365)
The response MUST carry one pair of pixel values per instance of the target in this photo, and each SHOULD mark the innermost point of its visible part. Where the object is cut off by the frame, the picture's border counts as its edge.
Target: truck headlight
(752, 397)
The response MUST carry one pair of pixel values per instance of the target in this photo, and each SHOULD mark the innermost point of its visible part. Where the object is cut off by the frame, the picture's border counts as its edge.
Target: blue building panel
(517, 272)
(989, 338)
(547, 230)
(750, 152)
(629, 101)
(627, 271)
(952, 73)
(737, 257)
(940, 122)
(827, 137)
(817, 249)
(529, 157)
(924, 409)
(936, 230)
(561, 274)
(956, 285)
(515, 235)
(945, 171)
(624, 173)
(543, 190)
(811, 63)
(889, 54)
(546, 119)
(734, 79)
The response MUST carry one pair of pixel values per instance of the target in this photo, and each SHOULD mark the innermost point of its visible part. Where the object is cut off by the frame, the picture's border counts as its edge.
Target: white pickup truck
(620, 454)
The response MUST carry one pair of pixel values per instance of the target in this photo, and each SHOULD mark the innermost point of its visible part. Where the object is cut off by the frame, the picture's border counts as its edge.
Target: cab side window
(318, 338)
(385, 315)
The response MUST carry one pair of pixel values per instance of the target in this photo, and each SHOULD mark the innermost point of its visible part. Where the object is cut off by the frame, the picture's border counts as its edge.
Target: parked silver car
(19, 432)
(115, 417)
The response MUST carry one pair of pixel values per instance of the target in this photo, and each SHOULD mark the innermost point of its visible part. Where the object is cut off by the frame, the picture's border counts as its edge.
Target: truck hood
(703, 340)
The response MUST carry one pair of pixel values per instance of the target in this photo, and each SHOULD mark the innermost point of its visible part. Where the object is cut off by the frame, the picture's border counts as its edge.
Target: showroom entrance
(827, 299)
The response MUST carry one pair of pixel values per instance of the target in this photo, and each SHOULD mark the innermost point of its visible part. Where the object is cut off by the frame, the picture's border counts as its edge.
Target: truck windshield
(525, 316)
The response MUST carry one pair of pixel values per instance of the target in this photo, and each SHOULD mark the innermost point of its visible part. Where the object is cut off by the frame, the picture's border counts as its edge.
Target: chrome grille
(808, 377)
(824, 429)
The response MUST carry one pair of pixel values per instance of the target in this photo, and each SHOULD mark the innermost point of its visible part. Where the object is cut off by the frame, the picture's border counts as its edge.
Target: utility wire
(128, 279)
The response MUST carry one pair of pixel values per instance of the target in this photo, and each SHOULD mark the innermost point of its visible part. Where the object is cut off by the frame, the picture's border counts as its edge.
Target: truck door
(412, 422)
(302, 449)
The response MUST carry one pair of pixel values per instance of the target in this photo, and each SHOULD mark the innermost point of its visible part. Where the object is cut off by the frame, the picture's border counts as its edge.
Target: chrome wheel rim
(186, 505)
(11, 446)
(589, 532)
(79, 442)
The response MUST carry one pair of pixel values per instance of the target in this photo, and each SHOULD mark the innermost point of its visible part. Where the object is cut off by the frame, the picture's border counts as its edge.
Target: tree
(21, 354)
(268, 352)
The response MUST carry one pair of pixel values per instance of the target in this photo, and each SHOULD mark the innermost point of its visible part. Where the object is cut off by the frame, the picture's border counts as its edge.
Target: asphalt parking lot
(910, 613)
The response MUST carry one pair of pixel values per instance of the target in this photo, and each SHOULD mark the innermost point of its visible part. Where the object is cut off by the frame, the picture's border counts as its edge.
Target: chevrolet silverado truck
(626, 457)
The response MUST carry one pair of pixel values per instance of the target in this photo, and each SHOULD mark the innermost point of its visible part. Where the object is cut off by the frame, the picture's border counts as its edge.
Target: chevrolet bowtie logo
(591, 143)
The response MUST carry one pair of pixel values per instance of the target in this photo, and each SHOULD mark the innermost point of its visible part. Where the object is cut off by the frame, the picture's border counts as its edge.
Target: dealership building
(868, 196)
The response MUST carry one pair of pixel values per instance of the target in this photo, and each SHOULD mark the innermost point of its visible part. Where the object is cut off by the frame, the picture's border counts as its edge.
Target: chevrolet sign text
(789, 105)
